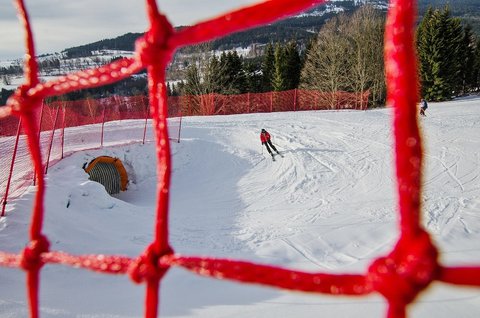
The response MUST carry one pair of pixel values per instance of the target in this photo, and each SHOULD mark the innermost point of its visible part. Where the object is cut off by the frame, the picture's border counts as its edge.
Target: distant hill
(301, 28)
(124, 42)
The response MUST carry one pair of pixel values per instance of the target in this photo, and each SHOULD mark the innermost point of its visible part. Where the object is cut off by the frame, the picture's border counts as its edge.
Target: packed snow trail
(328, 205)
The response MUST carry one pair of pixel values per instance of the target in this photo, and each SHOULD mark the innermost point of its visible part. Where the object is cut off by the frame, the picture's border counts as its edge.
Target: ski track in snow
(328, 205)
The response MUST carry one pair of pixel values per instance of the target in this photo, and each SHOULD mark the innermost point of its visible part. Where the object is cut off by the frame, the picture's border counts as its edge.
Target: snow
(329, 206)
(67, 65)
(338, 6)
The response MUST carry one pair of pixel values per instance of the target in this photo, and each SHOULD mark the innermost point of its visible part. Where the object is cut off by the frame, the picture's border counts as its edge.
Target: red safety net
(291, 100)
(83, 112)
(400, 276)
(55, 119)
(57, 136)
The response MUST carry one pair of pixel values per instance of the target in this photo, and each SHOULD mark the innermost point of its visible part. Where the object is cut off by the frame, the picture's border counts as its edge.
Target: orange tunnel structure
(109, 172)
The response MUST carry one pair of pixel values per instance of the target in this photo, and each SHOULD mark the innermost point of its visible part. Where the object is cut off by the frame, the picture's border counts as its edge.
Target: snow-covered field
(329, 205)
(65, 66)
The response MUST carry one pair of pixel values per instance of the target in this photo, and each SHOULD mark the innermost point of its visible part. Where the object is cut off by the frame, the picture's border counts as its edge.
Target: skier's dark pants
(269, 142)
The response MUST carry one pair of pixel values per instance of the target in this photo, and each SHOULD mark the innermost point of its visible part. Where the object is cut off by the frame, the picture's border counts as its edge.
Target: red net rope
(400, 276)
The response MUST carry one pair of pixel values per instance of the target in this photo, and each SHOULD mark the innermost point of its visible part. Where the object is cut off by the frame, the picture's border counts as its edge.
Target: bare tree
(348, 56)
(325, 66)
(365, 33)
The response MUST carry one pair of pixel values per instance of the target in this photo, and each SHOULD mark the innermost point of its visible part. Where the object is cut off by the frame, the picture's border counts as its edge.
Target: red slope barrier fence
(57, 136)
(407, 270)
(291, 100)
(57, 116)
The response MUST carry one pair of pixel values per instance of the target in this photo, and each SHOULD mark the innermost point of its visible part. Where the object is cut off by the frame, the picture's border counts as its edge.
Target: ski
(274, 155)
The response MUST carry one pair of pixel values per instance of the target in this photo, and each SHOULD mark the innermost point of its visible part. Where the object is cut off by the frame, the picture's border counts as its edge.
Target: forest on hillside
(300, 29)
(263, 73)
(467, 10)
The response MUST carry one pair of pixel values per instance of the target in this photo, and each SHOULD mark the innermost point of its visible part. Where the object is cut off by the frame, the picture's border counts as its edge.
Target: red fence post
(271, 101)
(14, 155)
(40, 122)
(147, 113)
(179, 129)
(103, 125)
(39, 135)
(365, 97)
(212, 99)
(51, 140)
(295, 100)
(63, 127)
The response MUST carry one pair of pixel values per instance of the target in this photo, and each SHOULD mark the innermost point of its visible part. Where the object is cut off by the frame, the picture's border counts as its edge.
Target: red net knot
(20, 100)
(153, 48)
(148, 266)
(408, 270)
(31, 256)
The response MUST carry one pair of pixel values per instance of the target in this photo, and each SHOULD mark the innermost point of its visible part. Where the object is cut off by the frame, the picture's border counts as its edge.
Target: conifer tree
(476, 69)
(174, 89)
(240, 83)
(425, 34)
(193, 85)
(268, 68)
(180, 88)
(253, 76)
(213, 78)
(439, 38)
(455, 34)
(467, 50)
(232, 73)
(279, 82)
(293, 65)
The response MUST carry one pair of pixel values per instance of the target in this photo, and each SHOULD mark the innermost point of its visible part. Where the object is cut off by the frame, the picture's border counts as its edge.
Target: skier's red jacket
(264, 137)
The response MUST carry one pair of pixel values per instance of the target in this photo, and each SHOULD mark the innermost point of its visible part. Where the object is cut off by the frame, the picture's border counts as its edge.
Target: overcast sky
(60, 24)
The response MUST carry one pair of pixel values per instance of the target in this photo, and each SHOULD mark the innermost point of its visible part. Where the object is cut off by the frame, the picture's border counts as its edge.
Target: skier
(265, 139)
(423, 107)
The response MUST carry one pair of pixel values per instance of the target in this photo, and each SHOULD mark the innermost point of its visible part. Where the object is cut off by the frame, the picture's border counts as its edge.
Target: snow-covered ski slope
(329, 205)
